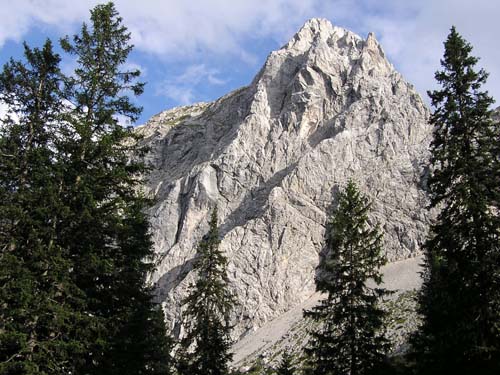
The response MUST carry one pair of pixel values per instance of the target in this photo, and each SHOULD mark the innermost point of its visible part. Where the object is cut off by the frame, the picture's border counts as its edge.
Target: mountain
(496, 114)
(325, 107)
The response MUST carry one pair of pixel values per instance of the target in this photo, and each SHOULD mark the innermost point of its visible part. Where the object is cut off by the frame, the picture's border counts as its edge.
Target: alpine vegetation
(349, 339)
(207, 345)
(460, 299)
(74, 238)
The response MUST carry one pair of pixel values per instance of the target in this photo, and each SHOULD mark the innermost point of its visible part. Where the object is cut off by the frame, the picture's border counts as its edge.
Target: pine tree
(286, 366)
(460, 299)
(40, 306)
(107, 232)
(209, 305)
(350, 337)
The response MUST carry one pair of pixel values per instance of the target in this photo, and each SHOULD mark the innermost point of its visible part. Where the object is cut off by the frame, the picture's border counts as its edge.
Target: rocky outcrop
(496, 114)
(326, 107)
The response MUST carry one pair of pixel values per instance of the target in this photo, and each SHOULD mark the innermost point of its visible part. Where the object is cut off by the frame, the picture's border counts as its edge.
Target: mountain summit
(326, 107)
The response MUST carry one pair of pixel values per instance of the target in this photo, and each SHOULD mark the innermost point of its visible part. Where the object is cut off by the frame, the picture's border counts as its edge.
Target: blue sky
(198, 50)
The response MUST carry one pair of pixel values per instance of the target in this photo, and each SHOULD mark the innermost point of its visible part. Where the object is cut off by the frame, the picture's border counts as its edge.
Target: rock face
(496, 114)
(326, 107)
(290, 331)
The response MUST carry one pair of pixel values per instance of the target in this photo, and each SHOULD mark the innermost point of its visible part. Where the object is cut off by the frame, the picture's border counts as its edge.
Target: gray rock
(326, 107)
(290, 330)
(496, 114)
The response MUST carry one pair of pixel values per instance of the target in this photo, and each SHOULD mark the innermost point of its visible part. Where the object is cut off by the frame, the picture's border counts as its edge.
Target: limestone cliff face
(326, 107)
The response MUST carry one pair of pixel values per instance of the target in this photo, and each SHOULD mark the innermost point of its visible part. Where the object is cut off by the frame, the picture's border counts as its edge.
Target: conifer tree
(350, 337)
(40, 306)
(460, 299)
(74, 239)
(286, 366)
(107, 232)
(209, 305)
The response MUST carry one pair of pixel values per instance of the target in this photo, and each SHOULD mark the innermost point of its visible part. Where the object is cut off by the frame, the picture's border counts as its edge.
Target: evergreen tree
(460, 299)
(107, 232)
(286, 366)
(209, 305)
(350, 337)
(74, 239)
(40, 306)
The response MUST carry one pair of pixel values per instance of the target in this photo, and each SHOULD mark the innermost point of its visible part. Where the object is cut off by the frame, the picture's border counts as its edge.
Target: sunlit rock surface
(326, 107)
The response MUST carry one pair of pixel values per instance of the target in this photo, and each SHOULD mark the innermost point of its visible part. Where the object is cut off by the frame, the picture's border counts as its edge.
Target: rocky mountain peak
(314, 31)
(324, 108)
(319, 40)
(319, 62)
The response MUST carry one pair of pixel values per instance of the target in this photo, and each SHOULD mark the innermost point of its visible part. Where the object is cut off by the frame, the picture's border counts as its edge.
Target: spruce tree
(208, 308)
(460, 298)
(350, 335)
(74, 239)
(40, 305)
(286, 366)
(107, 232)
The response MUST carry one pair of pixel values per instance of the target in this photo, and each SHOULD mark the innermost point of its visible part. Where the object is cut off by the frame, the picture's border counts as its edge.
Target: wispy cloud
(169, 28)
(411, 32)
(19, 16)
(181, 89)
(195, 74)
(130, 66)
(413, 36)
(183, 28)
(181, 95)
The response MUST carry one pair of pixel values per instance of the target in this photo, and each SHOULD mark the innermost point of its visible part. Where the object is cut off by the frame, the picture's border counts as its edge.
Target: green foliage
(39, 303)
(257, 368)
(108, 234)
(460, 300)
(209, 305)
(74, 240)
(286, 366)
(350, 339)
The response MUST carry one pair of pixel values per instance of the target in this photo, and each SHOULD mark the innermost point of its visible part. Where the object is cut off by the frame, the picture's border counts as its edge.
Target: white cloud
(179, 94)
(171, 28)
(413, 36)
(181, 89)
(181, 28)
(411, 32)
(130, 66)
(19, 16)
(194, 74)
